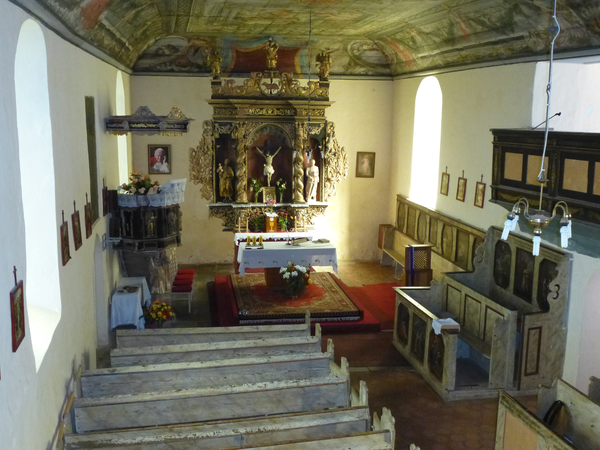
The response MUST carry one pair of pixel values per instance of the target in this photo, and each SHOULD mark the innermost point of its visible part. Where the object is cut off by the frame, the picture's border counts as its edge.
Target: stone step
(192, 375)
(208, 404)
(236, 433)
(168, 354)
(175, 336)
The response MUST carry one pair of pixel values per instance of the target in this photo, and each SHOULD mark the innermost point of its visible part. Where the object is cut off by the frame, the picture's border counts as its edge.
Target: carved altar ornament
(324, 63)
(238, 133)
(336, 169)
(214, 61)
(201, 161)
(271, 47)
(312, 181)
(299, 163)
(288, 87)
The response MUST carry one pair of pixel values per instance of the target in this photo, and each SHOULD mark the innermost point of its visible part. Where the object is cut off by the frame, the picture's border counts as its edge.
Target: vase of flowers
(281, 187)
(296, 279)
(283, 218)
(256, 221)
(158, 313)
(256, 187)
(135, 193)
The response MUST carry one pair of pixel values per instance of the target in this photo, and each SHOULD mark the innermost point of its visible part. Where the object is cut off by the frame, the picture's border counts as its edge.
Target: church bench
(373, 440)
(166, 354)
(216, 403)
(390, 256)
(511, 312)
(231, 434)
(160, 377)
(172, 336)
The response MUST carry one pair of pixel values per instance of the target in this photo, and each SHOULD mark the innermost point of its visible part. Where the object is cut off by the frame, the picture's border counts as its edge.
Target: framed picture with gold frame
(479, 194)
(445, 183)
(365, 164)
(461, 189)
(76, 224)
(17, 315)
(64, 241)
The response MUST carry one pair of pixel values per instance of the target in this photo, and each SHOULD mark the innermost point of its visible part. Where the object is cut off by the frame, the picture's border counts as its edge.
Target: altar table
(239, 238)
(277, 254)
(126, 308)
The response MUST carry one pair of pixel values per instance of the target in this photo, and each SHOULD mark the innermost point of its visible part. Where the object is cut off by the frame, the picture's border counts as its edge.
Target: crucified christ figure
(268, 171)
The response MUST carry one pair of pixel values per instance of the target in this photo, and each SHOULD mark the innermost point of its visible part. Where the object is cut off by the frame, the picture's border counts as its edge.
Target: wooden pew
(231, 434)
(520, 429)
(215, 403)
(167, 354)
(192, 375)
(180, 336)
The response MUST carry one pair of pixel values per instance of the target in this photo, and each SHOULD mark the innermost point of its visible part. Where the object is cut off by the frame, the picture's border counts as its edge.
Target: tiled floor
(421, 416)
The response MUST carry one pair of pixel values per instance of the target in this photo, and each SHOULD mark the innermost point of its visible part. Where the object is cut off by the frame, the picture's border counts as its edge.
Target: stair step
(167, 354)
(204, 374)
(174, 336)
(374, 440)
(200, 405)
(236, 433)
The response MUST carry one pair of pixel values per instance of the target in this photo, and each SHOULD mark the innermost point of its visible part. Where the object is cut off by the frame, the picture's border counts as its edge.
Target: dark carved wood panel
(548, 272)
(402, 323)
(502, 262)
(435, 358)
(463, 250)
(419, 335)
(524, 268)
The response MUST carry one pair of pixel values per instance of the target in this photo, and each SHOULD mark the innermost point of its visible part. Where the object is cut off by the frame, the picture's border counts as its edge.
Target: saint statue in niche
(225, 180)
(268, 171)
(312, 181)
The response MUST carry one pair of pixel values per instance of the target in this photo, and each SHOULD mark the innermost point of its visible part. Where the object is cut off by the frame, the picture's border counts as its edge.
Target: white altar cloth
(277, 254)
(281, 236)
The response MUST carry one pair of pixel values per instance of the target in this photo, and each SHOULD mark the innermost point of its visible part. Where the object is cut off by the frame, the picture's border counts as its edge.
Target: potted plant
(256, 221)
(139, 185)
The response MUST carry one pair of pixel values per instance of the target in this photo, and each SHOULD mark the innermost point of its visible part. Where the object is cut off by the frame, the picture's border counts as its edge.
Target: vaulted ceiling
(364, 37)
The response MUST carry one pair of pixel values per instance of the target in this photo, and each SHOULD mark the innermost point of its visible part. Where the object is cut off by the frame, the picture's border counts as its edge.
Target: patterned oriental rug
(259, 304)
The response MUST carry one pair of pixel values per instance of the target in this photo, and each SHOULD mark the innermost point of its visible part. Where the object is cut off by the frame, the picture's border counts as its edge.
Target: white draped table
(277, 254)
(126, 308)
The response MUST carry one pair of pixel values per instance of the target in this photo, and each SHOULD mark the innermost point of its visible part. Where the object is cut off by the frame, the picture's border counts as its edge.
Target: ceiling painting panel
(364, 37)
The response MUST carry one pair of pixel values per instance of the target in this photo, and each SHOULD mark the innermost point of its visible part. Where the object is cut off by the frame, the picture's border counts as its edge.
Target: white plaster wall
(575, 93)
(362, 114)
(32, 401)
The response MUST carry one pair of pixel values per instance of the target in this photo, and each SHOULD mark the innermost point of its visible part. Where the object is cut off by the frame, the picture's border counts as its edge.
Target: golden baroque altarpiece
(268, 131)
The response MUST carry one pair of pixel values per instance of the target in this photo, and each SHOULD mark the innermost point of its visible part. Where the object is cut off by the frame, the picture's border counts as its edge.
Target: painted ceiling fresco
(364, 37)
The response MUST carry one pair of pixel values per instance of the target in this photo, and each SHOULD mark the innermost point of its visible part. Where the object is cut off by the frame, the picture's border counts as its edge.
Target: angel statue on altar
(268, 171)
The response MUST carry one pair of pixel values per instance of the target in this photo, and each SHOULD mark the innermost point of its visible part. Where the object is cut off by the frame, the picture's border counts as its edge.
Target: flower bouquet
(256, 187)
(140, 185)
(283, 218)
(158, 313)
(296, 279)
(281, 187)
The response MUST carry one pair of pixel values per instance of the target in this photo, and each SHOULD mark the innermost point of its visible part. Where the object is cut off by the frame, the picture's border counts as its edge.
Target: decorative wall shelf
(144, 121)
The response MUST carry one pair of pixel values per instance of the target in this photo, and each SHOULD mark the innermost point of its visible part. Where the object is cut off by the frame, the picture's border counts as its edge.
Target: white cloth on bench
(437, 324)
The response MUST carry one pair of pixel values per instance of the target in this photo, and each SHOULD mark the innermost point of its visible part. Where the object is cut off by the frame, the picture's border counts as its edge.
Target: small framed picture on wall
(461, 189)
(445, 183)
(159, 158)
(479, 193)
(17, 315)
(365, 164)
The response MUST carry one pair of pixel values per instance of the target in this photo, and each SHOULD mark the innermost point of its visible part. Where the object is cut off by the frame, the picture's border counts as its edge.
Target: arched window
(424, 181)
(123, 153)
(37, 186)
